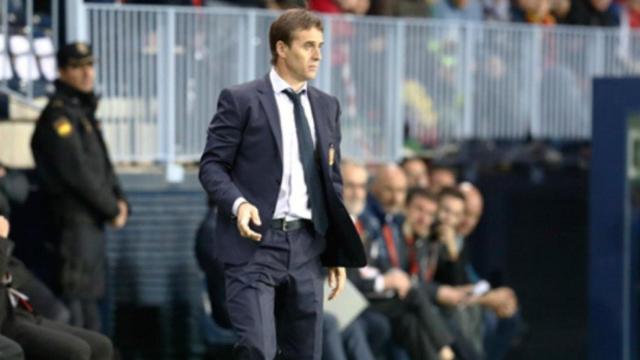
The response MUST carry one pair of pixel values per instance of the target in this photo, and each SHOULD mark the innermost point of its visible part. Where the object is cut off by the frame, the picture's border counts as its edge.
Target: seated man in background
(442, 176)
(41, 338)
(415, 325)
(421, 210)
(461, 294)
(14, 190)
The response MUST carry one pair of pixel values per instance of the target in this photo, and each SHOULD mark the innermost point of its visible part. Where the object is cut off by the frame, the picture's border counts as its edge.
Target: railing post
(247, 54)
(536, 71)
(29, 31)
(397, 96)
(325, 67)
(166, 96)
(467, 67)
(76, 29)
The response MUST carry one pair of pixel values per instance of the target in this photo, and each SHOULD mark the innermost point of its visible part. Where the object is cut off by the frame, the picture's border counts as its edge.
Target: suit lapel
(268, 101)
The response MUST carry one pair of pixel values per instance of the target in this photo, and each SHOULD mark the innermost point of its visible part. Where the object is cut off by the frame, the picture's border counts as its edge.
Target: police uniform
(74, 169)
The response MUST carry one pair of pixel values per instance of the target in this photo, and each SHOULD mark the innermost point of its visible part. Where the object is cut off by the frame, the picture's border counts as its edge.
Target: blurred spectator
(560, 9)
(163, 2)
(453, 291)
(14, 189)
(592, 13)
(41, 338)
(497, 96)
(441, 177)
(535, 12)
(389, 288)
(76, 173)
(359, 7)
(360, 340)
(630, 14)
(268, 4)
(422, 207)
(466, 10)
(389, 190)
(490, 331)
(496, 10)
(415, 169)
(407, 8)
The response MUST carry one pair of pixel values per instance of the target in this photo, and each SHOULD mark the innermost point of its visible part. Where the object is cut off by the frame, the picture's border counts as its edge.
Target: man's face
(392, 192)
(354, 189)
(421, 213)
(451, 211)
(417, 175)
(81, 78)
(442, 178)
(302, 58)
(601, 5)
(473, 212)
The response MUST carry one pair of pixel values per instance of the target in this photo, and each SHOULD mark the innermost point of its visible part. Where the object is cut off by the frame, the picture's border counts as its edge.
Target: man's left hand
(337, 278)
(123, 214)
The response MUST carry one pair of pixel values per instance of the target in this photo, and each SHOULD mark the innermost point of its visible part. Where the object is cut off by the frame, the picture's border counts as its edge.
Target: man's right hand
(446, 353)
(450, 296)
(397, 280)
(4, 227)
(248, 213)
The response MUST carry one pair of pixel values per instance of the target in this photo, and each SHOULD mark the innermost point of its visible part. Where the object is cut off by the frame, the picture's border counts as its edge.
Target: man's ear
(280, 49)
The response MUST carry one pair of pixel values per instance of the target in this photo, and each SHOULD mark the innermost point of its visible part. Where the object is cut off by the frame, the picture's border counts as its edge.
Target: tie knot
(294, 96)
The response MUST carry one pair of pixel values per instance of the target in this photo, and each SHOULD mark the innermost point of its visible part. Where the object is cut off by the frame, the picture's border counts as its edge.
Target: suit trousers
(275, 300)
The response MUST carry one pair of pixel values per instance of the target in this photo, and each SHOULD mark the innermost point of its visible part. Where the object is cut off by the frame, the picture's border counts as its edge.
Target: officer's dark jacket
(72, 160)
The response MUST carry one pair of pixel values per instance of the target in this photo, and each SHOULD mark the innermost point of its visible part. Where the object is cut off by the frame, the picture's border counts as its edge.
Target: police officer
(74, 169)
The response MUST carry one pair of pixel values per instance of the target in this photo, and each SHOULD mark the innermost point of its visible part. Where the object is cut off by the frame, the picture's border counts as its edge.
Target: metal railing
(161, 69)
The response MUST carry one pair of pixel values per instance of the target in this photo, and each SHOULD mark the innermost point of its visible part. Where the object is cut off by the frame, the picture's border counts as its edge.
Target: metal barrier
(161, 69)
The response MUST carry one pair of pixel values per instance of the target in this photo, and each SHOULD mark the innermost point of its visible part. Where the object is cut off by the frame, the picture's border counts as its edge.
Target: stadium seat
(23, 59)
(45, 51)
(6, 72)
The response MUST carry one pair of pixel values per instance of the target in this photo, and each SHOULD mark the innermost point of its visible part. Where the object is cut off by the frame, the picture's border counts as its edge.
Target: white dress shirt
(293, 198)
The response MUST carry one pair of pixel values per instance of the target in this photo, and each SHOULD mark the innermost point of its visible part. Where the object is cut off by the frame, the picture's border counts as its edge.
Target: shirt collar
(279, 84)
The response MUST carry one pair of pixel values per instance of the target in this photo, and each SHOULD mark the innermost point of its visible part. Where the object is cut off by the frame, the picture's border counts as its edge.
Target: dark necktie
(309, 165)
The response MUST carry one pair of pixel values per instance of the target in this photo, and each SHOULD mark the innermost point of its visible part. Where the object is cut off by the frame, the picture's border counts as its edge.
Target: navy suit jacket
(243, 157)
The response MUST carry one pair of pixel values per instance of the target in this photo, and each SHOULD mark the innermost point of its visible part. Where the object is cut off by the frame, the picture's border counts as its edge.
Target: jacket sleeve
(224, 136)
(65, 151)
(366, 286)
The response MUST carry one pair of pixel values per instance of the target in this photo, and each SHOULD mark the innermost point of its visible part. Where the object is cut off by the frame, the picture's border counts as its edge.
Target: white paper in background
(346, 306)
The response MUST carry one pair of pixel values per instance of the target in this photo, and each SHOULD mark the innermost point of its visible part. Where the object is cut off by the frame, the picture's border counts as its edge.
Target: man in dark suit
(272, 166)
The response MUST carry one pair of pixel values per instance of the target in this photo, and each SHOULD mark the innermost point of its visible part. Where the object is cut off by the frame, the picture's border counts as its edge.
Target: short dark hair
(421, 193)
(435, 167)
(286, 24)
(452, 192)
(408, 159)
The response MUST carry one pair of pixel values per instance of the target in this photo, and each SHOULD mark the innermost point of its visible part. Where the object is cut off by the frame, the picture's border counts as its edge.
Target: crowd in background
(414, 224)
(544, 12)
